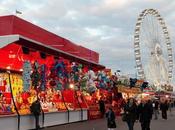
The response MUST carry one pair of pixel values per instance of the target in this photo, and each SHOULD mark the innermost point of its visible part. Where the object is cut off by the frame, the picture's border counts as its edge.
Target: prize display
(59, 83)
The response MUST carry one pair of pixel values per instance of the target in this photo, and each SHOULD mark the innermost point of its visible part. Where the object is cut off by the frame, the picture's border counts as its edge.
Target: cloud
(106, 26)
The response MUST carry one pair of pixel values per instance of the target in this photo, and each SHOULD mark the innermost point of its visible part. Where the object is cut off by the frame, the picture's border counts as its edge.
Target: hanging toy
(91, 87)
(83, 83)
(74, 67)
(35, 75)
(26, 75)
(52, 76)
(43, 77)
(59, 68)
(80, 67)
(59, 85)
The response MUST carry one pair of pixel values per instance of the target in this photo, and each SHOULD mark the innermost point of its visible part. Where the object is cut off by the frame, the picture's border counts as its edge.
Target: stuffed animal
(35, 75)
(26, 75)
(43, 77)
(74, 67)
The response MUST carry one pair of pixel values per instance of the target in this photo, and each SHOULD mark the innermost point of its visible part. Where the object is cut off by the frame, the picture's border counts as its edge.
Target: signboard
(123, 89)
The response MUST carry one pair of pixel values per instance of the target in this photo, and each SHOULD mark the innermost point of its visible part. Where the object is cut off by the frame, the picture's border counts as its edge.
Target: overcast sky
(106, 26)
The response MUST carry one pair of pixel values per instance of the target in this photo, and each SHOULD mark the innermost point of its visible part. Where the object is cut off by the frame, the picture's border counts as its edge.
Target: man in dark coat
(110, 115)
(130, 111)
(156, 109)
(145, 111)
(164, 108)
(102, 107)
(36, 111)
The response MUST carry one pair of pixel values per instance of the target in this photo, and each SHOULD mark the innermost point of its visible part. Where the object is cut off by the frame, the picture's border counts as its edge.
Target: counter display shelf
(61, 107)
(50, 119)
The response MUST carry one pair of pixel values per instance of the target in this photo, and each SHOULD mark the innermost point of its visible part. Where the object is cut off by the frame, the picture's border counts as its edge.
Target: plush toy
(52, 76)
(8, 108)
(76, 77)
(25, 96)
(103, 78)
(102, 84)
(35, 75)
(59, 85)
(80, 67)
(74, 67)
(43, 77)
(57, 71)
(83, 83)
(1, 81)
(91, 75)
(59, 68)
(26, 75)
(91, 86)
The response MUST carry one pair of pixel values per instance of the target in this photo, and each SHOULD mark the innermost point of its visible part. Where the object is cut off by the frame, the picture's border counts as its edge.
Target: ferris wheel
(152, 48)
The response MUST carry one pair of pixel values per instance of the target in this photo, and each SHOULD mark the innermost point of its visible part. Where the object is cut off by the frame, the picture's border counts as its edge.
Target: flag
(18, 12)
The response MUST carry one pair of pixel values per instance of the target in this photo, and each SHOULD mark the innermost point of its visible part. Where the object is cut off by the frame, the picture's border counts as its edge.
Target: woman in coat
(130, 111)
(110, 115)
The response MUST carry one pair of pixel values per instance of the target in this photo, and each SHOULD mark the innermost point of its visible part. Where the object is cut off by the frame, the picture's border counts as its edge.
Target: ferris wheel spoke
(146, 36)
(149, 30)
(154, 28)
(152, 31)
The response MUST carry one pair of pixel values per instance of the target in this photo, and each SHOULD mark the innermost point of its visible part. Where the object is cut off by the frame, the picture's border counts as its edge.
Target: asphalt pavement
(100, 124)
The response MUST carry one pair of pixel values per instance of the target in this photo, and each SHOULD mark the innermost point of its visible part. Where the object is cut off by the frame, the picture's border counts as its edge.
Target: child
(110, 115)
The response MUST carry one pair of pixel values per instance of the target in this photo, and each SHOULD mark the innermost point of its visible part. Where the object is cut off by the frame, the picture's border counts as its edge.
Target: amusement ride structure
(153, 49)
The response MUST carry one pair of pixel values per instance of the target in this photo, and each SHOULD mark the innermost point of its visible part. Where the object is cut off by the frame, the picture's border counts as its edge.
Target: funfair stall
(37, 63)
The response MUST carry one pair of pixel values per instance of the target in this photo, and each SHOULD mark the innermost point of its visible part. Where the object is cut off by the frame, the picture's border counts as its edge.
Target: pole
(13, 99)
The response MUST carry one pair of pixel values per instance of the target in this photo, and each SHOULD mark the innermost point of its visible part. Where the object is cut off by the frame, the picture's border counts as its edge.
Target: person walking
(170, 106)
(102, 107)
(156, 109)
(36, 111)
(164, 109)
(110, 115)
(130, 111)
(144, 114)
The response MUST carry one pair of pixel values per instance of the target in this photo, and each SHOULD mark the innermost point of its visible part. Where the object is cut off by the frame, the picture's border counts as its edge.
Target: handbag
(124, 117)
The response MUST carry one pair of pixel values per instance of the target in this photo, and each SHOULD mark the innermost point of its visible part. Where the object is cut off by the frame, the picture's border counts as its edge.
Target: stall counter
(50, 119)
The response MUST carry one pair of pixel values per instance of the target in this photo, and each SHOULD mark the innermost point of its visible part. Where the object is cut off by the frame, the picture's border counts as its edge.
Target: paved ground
(100, 124)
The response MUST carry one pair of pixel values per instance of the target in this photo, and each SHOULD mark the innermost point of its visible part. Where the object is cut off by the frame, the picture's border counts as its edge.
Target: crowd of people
(143, 112)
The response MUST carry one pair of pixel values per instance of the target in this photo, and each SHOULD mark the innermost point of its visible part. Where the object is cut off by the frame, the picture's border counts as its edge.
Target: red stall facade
(26, 51)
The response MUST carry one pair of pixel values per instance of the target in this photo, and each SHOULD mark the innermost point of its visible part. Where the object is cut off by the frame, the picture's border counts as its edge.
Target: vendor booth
(37, 63)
